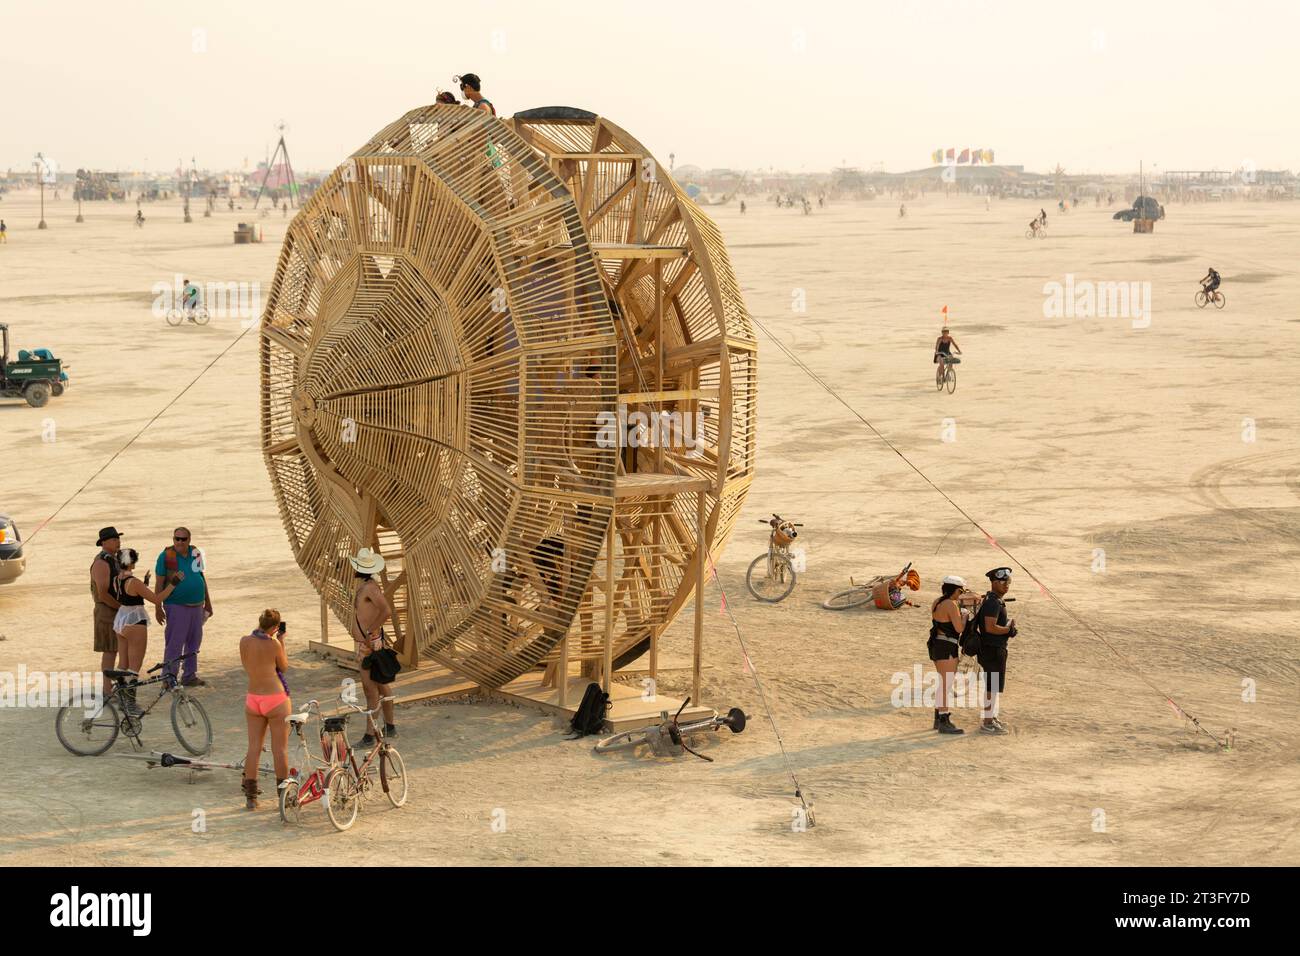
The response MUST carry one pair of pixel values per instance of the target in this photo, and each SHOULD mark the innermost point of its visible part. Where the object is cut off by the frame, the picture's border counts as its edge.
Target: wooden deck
(627, 712)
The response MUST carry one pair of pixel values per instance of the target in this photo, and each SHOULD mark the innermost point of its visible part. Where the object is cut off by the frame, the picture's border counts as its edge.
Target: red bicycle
(312, 780)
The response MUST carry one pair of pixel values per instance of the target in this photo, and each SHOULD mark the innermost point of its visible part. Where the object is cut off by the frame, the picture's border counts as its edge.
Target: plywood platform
(627, 711)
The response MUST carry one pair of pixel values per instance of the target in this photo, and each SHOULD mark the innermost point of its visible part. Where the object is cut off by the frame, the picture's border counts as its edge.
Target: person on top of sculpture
(471, 87)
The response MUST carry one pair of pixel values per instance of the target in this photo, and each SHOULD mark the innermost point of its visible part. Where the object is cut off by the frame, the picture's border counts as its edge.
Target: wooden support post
(607, 669)
(659, 359)
(702, 551)
(324, 621)
(564, 672)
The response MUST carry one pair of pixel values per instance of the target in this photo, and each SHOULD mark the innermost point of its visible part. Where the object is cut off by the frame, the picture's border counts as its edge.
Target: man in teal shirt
(187, 608)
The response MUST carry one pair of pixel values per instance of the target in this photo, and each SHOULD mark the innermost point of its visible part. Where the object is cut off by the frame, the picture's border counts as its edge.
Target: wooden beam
(638, 250)
(701, 543)
(673, 395)
(607, 671)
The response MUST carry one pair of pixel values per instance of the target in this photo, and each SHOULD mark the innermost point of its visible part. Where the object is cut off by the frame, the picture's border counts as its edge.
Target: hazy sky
(800, 85)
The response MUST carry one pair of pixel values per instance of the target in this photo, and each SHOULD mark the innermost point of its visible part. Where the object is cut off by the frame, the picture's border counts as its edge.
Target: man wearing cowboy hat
(370, 611)
(995, 631)
(103, 588)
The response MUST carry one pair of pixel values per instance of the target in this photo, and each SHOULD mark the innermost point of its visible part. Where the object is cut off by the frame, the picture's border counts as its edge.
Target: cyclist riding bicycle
(943, 347)
(189, 298)
(1034, 225)
(1210, 282)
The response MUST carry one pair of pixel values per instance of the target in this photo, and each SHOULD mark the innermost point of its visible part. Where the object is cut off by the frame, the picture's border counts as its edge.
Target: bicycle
(668, 738)
(311, 780)
(350, 785)
(860, 594)
(198, 315)
(1039, 233)
(945, 374)
(1204, 298)
(91, 733)
(778, 576)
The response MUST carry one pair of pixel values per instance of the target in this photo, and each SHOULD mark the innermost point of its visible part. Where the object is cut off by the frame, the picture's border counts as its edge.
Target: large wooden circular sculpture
(467, 320)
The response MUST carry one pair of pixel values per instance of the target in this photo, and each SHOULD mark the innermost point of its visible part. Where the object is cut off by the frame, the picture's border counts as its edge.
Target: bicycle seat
(120, 675)
(297, 718)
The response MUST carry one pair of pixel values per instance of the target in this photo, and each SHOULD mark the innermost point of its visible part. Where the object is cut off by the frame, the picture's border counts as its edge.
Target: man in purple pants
(187, 608)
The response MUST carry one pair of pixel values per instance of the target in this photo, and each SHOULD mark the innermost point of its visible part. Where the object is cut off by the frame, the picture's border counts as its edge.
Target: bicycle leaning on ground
(668, 738)
(771, 576)
(345, 791)
(90, 731)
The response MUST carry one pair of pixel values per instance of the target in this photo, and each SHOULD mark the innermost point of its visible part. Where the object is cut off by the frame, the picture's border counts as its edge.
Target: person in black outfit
(946, 625)
(995, 631)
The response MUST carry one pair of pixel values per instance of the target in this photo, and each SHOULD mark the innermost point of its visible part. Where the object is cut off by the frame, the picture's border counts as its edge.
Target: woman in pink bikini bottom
(267, 702)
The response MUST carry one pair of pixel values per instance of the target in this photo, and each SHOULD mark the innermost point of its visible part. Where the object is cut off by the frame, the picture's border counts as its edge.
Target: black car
(12, 562)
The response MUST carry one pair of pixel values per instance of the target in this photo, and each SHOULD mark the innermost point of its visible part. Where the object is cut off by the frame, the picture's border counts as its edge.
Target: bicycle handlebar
(175, 660)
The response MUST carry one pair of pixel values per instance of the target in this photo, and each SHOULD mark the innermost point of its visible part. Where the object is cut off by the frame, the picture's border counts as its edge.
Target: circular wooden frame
(457, 316)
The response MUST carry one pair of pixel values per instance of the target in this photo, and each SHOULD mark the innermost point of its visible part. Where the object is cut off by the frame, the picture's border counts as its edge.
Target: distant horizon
(1154, 170)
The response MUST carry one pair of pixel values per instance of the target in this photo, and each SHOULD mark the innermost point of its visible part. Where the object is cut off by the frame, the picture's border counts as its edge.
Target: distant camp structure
(93, 185)
(515, 361)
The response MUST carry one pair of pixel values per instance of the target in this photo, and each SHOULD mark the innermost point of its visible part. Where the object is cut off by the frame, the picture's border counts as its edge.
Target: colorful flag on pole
(952, 153)
(937, 156)
(964, 157)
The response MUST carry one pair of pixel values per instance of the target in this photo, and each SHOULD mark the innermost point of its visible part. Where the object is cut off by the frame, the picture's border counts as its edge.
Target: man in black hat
(103, 587)
(995, 631)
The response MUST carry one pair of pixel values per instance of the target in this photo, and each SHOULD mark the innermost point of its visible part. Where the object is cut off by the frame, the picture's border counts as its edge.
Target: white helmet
(955, 579)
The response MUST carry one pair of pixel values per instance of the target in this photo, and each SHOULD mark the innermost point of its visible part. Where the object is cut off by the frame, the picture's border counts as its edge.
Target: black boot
(251, 793)
(937, 722)
(946, 726)
(390, 730)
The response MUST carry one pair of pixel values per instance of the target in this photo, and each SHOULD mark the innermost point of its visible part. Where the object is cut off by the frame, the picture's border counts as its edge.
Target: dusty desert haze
(1071, 434)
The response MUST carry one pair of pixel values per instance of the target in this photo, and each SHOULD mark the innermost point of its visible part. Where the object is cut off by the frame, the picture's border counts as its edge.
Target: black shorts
(993, 661)
(941, 650)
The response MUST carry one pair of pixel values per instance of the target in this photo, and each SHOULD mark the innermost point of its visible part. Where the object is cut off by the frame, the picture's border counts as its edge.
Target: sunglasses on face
(180, 538)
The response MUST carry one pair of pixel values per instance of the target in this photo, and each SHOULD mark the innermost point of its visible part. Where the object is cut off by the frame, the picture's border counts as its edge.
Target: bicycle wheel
(341, 797)
(938, 378)
(1219, 300)
(1042, 233)
(174, 317)
(88, 736)
(1029, 233)
(392, 776)
(1202, 299)
(952, 379)
(201, 315)
(844, 600)
(290, 811)
(191, 724)
(627, 740)
(770, 582)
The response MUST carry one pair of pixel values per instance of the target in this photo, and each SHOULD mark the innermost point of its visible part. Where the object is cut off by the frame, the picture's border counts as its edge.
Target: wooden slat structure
(468, 319)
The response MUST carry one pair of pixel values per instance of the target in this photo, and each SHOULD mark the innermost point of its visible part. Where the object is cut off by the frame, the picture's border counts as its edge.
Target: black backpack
(590, 718)
(970, 634)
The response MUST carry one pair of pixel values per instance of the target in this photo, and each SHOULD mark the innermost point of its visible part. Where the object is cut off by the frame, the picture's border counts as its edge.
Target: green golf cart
(34, 375)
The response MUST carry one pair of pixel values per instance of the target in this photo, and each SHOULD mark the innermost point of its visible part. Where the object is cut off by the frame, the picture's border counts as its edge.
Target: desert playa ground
(1072, 434)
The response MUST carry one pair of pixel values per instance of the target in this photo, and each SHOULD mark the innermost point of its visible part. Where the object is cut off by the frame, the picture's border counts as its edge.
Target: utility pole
(40, 175)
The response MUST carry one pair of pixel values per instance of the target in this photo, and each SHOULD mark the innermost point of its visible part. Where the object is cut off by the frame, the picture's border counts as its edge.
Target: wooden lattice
(452, 312)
